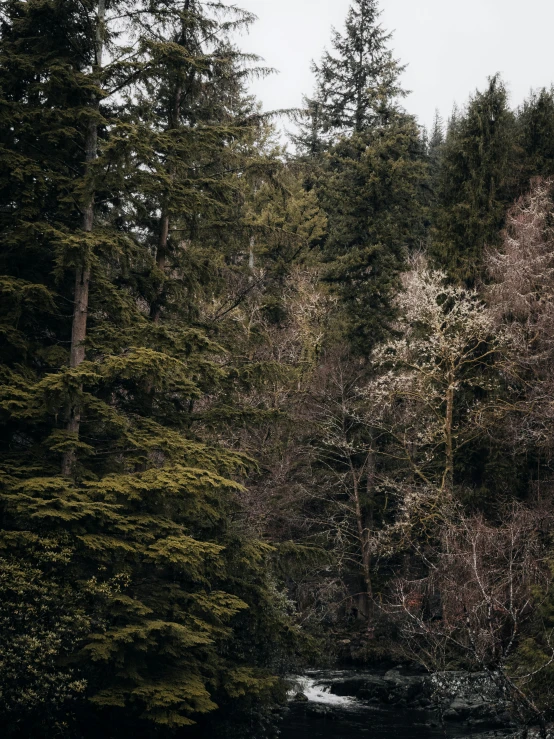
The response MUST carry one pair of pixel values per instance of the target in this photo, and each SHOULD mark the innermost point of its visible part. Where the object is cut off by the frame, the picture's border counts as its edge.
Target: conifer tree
(357, 82)
(83, 266)
(308, 136)
(138, 526)
(367, 168)
(535, 122)
(193, 134)
(476, 182)
(434, 152)
(371, 188)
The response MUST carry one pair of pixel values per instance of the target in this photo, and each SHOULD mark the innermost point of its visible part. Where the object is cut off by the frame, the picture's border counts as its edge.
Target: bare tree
(421, 403)
(522, 301)
(393, 428)
(485, 579)
(347, 456)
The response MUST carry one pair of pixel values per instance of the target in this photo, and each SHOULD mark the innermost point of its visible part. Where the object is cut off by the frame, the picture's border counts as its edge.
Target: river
(325, 715)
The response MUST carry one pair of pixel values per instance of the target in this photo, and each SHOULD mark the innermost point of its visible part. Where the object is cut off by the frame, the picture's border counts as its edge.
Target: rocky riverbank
(454, 696)
(461, 704)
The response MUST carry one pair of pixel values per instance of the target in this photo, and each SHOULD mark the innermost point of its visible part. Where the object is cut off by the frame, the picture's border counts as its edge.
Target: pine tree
(193, 134)
(107, 489)
(535, 124)
(308, 137)
(434, 153)
(367, 168)
(476, 182)
(357, 84)
(371, 188)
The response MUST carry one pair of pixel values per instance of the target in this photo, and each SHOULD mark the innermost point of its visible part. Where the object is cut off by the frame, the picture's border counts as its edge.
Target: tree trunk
(82, 276)
(363, 537)
(370, 483)
(448, 476)
(161, 252)
(161, 261)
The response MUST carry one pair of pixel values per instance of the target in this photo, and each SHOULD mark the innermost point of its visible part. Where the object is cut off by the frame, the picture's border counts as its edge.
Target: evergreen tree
(434, 153)
(372, 190)
(308, 137)
(476, 182)
(535, 121)
(106, 488)
(357, 83)
(367, 167)
(190, 137)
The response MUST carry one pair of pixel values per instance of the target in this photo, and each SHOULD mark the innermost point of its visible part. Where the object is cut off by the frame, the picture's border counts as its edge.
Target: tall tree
(535, 122)
(476, 182)
(367, 167)
(83, 268)
(371, 187)
(357, 83)
(136, 537)
(435, 146)
(194, 121)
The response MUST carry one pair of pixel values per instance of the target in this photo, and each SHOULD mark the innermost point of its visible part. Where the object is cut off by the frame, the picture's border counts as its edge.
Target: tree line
(254, 402)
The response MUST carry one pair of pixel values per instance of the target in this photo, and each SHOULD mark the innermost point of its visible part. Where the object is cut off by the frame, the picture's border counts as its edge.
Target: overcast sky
(450, 46)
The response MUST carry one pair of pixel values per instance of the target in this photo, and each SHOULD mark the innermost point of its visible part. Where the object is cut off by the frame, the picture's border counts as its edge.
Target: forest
(262, 406)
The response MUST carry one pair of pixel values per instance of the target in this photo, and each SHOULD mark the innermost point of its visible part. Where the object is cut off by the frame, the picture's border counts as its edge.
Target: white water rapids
(317, 691)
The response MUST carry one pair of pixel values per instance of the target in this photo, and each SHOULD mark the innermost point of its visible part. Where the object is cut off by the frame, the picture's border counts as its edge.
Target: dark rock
(364, 686)
(451, 715)
(300, 698)
(456, 696)
(319, 709)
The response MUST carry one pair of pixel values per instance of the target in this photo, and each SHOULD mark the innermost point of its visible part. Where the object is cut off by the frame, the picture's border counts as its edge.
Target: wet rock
(319, 709)
(471, 710)
(473, 698)
(470, 699)
(300, 698)
(452, 715)
(366, 687)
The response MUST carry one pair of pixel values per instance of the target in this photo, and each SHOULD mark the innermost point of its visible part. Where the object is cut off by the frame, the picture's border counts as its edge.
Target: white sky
(450, 46)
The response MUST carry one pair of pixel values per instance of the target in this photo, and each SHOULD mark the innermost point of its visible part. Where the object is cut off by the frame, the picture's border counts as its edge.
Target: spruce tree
(434, 153)
(108, 489)
(193, 120)
(476, 182)
(371, 188)
(535, 124)
(357, 82)
(367, 167)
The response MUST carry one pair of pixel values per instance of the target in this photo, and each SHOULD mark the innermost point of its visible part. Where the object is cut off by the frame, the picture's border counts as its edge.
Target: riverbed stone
(471, 699)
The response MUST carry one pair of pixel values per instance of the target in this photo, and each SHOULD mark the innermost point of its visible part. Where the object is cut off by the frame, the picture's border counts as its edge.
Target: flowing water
(325, 716)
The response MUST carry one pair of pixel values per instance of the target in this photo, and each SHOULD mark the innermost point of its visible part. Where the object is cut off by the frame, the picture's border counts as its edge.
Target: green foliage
(476, 182)
(532, 662)
(187, 316)
(371, 187)
(163, 598)
(41, 624)
(535, 122)
(358, 83)
(366, 164)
